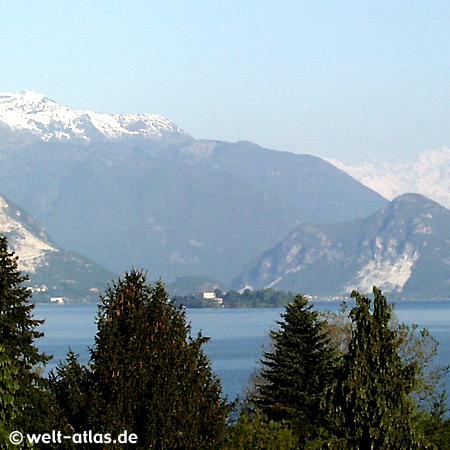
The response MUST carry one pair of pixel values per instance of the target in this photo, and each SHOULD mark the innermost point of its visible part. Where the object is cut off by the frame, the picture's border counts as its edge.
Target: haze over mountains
(403, 249)
(136, 190)
(54, 272)
(428, 174)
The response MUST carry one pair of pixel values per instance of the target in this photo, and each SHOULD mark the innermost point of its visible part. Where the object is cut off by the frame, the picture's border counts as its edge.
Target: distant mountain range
(54, 272)
(403, 249)
(428, 174)
(135, 190)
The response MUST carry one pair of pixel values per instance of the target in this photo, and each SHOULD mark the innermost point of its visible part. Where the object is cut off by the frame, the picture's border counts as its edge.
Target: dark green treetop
(298, 370)
(17, 335)
(147, 375)
(370, 399)
(17, 326)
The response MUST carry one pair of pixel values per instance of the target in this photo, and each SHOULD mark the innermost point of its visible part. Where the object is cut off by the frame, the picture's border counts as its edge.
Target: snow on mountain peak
(44, 118)
(428, 174)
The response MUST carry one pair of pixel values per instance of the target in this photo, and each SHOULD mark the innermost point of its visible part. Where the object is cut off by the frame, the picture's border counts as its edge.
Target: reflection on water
(237, 335)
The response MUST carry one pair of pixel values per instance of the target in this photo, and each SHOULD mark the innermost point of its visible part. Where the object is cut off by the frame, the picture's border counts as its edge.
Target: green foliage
(257, 433)
(339, 327)
(419, 347)
(72, 386)
(370, 399)
(17, 327)
(195, 301)
(435, 426)
(24, 398)
(147, 375)
(415, 346)
(264, 298)
(297, 372)
(9, 386)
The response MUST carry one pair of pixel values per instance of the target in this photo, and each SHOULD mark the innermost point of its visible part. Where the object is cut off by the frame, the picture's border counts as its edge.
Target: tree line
(263, 298)
(352, 380)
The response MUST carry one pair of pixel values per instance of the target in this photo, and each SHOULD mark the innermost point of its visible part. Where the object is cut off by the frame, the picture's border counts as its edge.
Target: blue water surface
(238, 336)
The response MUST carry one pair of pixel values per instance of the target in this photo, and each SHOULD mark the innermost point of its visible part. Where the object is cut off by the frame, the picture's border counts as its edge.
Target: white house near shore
(210, 295)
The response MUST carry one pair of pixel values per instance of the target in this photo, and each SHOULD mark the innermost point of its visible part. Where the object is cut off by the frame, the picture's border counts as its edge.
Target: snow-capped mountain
(403, 249)
(137, 191)
(428, 174)
(53, 271)
(38, 116)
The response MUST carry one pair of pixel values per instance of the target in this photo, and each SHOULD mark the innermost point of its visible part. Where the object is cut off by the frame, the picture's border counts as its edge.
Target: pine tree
(370, 400)
(9, 386)
(71, 385)
(146, 374)
(297, 372)
(17, 335)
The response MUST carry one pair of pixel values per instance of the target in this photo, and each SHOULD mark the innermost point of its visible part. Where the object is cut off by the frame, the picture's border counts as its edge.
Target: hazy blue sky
(351, 80)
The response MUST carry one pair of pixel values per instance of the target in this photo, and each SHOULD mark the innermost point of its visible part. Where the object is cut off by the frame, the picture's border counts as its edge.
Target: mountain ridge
(54, 272)
(177, 207)
(402, 248)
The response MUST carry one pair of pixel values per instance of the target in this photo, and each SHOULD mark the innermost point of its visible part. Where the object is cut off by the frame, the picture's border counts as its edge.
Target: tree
(147, 375)
(415, 346)
(20, 357)
(9, 386)
(419, 347)
(435, 426)
(371, 397)
(297, 372)
(255, 432)
(72, 386)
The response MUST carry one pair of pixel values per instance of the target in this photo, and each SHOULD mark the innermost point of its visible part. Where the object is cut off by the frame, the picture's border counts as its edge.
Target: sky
(347, 80)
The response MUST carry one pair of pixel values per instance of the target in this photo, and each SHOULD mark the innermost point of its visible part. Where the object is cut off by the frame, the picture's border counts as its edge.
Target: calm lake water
(238, 336)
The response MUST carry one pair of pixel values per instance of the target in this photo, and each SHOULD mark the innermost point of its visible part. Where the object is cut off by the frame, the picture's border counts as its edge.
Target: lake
(238, 336)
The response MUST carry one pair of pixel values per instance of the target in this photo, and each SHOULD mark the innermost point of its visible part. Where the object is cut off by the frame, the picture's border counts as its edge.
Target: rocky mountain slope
(151, 196)
(53, 271)
(403, 249)
(428, 174)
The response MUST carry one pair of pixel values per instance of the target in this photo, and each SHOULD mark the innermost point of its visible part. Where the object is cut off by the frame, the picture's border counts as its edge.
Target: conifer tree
(297, 372)
(71, 385)
(370, 400)
(147, 375)
(9, 386)
(17, 335)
